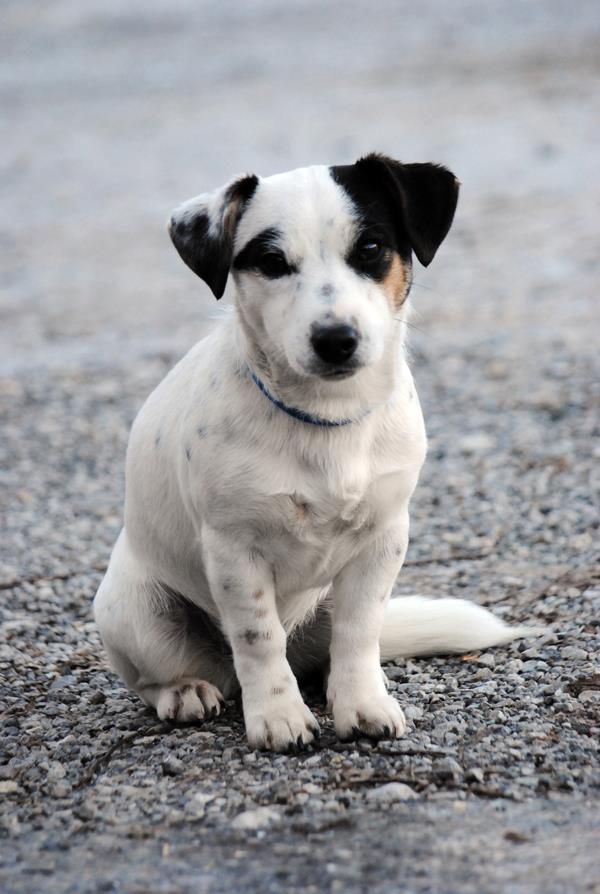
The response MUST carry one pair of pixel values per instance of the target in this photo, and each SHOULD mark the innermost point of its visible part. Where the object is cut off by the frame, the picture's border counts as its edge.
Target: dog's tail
(415, 626)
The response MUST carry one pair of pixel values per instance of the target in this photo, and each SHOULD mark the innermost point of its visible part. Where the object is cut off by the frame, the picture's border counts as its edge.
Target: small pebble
(391, 792)
(259, 818)
(574, 653)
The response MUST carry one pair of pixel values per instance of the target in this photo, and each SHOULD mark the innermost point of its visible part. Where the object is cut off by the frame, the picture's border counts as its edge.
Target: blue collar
(300, 414)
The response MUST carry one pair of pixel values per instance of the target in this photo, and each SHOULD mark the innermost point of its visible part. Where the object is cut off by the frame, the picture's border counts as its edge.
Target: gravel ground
(495, 787)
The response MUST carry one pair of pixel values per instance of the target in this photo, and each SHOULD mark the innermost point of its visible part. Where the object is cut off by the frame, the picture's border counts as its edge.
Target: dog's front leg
(356, 691)
(243, 589)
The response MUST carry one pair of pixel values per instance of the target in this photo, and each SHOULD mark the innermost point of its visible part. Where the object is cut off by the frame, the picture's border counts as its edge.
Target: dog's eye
(273, 264)
(369, 250)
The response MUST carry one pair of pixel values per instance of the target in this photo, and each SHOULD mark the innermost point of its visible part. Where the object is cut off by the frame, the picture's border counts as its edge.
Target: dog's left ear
(203, 230)
(424, 194)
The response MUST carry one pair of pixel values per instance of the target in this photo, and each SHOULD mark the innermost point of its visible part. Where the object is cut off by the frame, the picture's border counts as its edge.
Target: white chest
(311, 532)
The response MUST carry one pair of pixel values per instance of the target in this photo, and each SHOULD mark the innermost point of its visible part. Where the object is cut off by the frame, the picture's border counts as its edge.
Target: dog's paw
(188, 700)
(380, 717)
(281, 724)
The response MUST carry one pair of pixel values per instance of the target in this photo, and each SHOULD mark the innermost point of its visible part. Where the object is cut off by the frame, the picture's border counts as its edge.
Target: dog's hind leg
(308, 643)
(167, 650)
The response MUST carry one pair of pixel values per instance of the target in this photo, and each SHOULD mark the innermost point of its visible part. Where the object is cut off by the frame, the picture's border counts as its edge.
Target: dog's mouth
(338, 373)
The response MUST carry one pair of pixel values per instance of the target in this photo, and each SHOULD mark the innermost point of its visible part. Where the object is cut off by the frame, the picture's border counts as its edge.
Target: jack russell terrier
(269, 474)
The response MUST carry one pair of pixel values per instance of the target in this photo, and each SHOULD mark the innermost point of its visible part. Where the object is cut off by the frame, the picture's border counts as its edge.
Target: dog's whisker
(412, 326)
(420, 285)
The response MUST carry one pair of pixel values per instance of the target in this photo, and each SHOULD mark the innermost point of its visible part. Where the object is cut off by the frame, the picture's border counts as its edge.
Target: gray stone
(447, 769)
(9, 787)
(172, 766)
(474, 774)
(589, 696)
(259, 818)
(413, 713)
(574, 653)
(391, 792)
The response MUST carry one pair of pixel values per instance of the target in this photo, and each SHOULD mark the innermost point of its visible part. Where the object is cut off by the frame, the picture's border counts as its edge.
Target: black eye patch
(371, 254)
(263, 254)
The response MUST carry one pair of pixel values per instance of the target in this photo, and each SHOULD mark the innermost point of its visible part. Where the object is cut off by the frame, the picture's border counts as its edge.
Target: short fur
(258, 548)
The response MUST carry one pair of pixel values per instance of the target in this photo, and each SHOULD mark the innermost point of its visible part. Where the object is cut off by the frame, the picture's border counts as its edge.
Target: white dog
(269, 474)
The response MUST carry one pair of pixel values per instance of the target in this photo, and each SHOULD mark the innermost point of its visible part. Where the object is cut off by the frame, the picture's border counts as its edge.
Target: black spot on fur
(251, 636)
(188, 454)
(404, 206)
(157, 439)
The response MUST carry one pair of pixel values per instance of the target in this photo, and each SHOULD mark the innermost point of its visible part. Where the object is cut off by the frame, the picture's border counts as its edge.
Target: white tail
(415, 626)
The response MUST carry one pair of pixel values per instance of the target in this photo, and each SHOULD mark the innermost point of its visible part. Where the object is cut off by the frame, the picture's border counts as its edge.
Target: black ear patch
(421, 199)
(203, 232)
(430, 194)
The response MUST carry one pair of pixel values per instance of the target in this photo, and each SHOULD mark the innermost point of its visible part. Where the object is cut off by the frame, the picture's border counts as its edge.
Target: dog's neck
(353, 398)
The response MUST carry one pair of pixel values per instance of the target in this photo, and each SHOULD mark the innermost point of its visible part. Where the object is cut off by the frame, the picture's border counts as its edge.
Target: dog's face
(321, 256)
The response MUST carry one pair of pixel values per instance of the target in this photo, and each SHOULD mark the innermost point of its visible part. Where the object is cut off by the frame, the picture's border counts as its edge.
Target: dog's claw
(275, 729)
(377, 719)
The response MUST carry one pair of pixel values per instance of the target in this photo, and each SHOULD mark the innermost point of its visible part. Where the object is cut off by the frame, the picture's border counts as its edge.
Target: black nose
(334, 344)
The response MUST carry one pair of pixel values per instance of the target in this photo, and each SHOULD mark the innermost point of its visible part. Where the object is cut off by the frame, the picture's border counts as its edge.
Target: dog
(269, 474)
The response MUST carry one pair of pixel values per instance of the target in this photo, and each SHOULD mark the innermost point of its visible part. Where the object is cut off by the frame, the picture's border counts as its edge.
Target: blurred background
(113, 113)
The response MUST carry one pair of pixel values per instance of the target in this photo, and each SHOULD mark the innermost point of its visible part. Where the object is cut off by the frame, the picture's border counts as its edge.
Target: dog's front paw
(380, 717)
(280, 724)
(189, 700)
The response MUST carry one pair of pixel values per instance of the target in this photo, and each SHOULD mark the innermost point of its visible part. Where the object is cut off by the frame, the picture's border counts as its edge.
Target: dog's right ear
(424, 198)
(203, 230)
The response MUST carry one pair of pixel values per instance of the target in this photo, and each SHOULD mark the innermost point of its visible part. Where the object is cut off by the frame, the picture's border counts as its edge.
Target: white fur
(257, 518)
(415, 626)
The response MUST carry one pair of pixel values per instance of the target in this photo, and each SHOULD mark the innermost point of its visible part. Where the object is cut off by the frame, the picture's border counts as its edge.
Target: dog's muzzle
(335, 346)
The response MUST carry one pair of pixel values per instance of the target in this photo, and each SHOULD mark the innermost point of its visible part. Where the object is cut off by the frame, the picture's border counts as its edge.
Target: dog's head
(321, 256)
